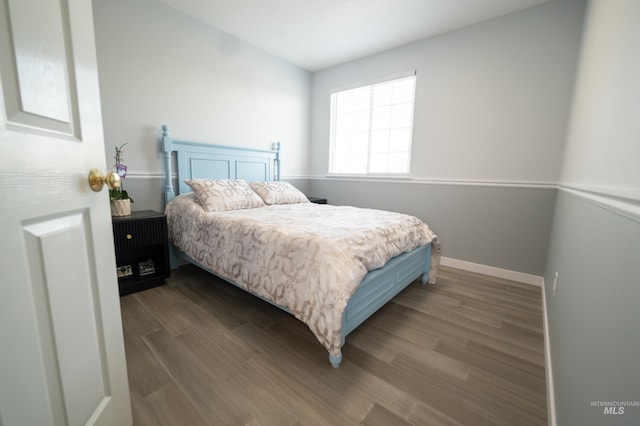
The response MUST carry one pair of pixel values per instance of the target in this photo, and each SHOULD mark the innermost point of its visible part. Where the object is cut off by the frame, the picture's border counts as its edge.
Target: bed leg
(335, 360)
(425, 278)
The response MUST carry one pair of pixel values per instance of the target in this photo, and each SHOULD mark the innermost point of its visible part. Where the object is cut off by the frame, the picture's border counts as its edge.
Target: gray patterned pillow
(217, 195)
(278, 192)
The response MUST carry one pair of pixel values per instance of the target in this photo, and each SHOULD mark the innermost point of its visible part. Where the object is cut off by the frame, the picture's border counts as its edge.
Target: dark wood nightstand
(317, 200)
(142, 250)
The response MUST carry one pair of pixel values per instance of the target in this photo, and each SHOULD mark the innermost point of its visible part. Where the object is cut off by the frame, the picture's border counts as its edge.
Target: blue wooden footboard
(380, 286)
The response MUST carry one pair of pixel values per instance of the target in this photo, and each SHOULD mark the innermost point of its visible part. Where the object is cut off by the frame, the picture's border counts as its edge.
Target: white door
(61, 346)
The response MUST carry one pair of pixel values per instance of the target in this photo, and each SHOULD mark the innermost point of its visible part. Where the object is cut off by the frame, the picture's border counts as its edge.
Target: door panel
(61, 346)
(76, 361)
(38, 67)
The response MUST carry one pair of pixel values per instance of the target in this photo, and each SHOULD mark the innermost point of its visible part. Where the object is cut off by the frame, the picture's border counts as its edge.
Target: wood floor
(467, 351)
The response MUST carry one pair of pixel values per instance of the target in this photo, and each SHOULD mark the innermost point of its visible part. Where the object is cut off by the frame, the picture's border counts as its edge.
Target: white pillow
(278, 192)
(224, 194)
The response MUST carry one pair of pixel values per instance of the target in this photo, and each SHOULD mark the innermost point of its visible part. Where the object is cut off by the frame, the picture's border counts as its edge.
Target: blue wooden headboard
(205, 161)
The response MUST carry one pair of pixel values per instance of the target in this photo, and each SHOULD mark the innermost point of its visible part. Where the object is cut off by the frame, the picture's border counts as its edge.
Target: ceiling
(316, 34)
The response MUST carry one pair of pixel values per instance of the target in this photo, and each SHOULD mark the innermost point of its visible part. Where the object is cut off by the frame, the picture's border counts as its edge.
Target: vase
(121, 207)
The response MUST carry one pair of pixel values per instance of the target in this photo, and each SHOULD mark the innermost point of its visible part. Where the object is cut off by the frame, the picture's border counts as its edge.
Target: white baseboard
(493, 272)
(551, 399)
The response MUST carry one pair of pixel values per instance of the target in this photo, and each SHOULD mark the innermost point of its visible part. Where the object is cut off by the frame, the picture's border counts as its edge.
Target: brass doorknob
(96, 180)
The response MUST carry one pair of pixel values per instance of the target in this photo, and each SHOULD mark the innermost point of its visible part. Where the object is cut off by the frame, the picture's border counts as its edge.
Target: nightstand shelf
(142, 250)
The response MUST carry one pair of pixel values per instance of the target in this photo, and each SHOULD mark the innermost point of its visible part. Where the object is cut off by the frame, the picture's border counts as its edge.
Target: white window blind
(371, 128)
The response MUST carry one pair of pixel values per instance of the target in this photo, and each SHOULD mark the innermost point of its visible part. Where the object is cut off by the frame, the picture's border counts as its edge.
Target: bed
(232, 216)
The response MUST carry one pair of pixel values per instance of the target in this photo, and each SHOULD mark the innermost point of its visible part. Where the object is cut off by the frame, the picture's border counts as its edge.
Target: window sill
(394, 178)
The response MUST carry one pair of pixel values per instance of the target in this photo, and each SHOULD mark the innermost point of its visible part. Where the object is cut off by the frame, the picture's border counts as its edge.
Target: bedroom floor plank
(467, 351)
(385, 345)
(143, 414)
(213, 335)
(146, 373)
(216, 306)
(305, 403)
(475, 395)
(303, 364)
(481, 292)
(451, 323)
(423, 414)
(217, 385)
(500, 369)
(353, 381)
(165, 305)
(480, 286)
(380, 416)
(503, 310)
(516, 395)
(172, 407)
(414, 326)
(443, 399)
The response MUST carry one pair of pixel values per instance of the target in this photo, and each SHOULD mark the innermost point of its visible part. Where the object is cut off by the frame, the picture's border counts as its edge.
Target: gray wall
(595, 240)
(504, 227)
(158, 66)
(491, 112)
(593, 317)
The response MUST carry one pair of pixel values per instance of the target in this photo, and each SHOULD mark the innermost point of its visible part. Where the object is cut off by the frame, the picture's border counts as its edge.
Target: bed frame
(205, 161)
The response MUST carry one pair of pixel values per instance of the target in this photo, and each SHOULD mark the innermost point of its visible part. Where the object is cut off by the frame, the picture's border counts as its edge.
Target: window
(371, 128)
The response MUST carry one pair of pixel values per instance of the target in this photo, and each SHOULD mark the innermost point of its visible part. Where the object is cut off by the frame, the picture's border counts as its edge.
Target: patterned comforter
(306, 257)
